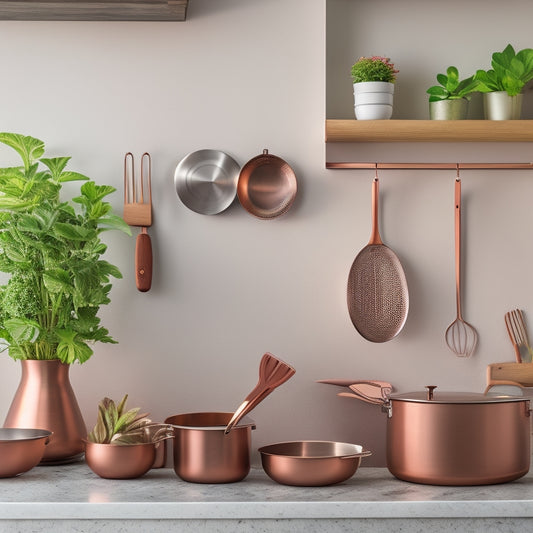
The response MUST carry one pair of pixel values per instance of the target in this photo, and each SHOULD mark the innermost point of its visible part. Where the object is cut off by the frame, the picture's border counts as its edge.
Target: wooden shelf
(344, 131)
(154, 10)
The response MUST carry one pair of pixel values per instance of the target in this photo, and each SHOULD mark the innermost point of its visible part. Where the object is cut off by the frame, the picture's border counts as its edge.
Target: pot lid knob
(430, 389)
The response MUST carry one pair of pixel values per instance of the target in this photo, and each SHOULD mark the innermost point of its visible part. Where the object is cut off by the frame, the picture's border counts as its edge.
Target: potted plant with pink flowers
(373, 87)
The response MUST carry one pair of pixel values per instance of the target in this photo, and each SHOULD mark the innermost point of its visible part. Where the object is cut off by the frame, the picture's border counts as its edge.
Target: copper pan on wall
(267, 186)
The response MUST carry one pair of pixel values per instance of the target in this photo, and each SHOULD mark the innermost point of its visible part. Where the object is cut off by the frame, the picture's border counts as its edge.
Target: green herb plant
(51, 250)
(510, 71)
(451, 87)
(375, 68)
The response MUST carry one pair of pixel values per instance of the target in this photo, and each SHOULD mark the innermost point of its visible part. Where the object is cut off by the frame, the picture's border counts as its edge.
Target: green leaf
(442, 79)
(29, 148)
(71, 176)
(57, 281)
(72, 232)
(55, 165)
(22, 330)
(113, 222)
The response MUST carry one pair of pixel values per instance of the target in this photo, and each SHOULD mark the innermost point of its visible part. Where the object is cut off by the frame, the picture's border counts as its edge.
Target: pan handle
(364, 453)
(372, 392)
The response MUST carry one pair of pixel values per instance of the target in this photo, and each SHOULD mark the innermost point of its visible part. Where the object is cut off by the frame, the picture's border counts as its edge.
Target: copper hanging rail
(429, 166)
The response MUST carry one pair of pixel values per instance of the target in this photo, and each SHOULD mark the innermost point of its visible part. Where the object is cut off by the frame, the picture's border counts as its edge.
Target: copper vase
(45, 400)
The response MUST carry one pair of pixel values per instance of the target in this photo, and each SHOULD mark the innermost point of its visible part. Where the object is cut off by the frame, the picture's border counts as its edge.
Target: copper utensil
(138, 212)
(461, 337)
(311, 463)
(267, 186)
(21, 449)
(377, 296)
(272, 373)
(516, 328)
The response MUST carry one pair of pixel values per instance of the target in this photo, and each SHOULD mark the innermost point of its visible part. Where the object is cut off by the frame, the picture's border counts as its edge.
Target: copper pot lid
(267, 186)
(431, 395)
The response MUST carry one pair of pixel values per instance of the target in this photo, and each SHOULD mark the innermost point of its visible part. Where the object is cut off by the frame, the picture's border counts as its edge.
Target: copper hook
(457, 167)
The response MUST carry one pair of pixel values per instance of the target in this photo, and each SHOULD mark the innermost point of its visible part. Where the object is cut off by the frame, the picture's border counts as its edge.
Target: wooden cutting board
(510, 374)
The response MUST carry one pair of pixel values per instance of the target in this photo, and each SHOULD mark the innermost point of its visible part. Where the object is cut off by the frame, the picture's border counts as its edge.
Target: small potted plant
(123, 443)
(449, 100)
(373, 87)
(503, 84)
(51, 250)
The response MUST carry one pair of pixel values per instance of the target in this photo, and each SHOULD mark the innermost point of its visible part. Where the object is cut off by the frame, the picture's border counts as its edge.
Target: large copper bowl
(311, 463)
(116, 461)
(21, 449)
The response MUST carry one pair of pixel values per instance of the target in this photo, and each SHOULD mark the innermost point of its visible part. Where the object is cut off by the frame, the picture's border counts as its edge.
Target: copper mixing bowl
(21, 449)
(116, 461)
(311, 463)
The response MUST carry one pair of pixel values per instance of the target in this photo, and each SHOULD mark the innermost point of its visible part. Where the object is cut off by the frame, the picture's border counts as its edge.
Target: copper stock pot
(454, 438)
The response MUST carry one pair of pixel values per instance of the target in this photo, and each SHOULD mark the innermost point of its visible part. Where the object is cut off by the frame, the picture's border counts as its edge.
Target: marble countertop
(75, 492)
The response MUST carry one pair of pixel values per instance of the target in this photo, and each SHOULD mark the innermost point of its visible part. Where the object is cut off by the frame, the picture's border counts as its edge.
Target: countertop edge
(264, 510)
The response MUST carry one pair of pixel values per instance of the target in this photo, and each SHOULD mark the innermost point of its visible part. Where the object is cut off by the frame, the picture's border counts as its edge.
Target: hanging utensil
(267, 186)
(378, 297)
(461, 337)
(206, 181)
(138, 212)
(516, 328)
(272, 373)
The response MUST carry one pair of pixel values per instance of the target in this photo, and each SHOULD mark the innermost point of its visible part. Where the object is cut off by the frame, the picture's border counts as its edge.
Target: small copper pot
(116, 461)
(204, 454)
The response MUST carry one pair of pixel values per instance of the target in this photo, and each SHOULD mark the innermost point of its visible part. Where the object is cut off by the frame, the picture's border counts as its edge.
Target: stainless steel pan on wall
(206, 181)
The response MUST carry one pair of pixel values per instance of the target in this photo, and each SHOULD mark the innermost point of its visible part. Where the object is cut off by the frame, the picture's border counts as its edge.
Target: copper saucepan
(453, 438)
(203, 453)
(267, 186)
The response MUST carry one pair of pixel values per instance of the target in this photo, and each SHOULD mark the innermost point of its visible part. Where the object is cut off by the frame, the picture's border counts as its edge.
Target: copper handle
(143, 261)
(375, 238)
(430, 389)
(458, 245)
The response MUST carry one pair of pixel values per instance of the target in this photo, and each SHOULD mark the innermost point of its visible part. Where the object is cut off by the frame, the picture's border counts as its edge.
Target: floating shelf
(154, 10)
(345, 131)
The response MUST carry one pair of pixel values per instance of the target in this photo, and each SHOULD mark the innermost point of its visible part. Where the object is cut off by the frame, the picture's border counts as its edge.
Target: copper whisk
(461, 337)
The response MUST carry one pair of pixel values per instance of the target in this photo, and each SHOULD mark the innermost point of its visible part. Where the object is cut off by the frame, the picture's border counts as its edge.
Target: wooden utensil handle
(521, 373)
(143, 261)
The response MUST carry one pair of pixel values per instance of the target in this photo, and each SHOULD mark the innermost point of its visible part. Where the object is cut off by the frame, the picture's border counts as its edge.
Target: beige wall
(241, 76)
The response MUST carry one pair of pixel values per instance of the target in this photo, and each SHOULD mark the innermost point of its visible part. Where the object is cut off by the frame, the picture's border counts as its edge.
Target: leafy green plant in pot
(51, 250)
(373, 87)
(449, 100)
(503, 84)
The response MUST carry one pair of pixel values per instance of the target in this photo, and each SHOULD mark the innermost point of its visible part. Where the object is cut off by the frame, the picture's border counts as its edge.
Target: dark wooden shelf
(154, 10)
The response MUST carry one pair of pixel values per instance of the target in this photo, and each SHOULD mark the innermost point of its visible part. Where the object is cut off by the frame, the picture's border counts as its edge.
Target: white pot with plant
(449, 100)
(373, 87)
(503, 84)
(51, 250)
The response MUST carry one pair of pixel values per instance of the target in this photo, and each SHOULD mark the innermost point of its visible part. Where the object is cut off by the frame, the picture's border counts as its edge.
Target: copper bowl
(117, 461)
(311, 463)
(21, 449)
(203, 453)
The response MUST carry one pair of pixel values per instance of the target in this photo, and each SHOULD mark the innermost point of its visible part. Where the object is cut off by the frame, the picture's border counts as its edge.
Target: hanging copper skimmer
(378, 298)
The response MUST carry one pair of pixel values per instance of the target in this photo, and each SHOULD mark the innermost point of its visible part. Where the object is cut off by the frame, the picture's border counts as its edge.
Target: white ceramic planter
(498, 105)
(373, 100)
